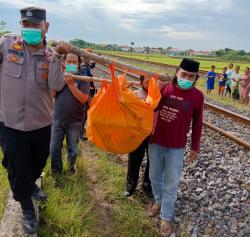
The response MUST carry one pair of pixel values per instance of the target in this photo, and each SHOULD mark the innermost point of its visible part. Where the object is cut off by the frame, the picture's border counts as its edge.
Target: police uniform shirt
(26, 81)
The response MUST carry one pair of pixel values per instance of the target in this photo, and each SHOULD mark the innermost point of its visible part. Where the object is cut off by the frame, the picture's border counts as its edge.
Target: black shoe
(147, 189)
(38, 194)
(83, 138)
(130, 188)
(29, 221)
(71, 170)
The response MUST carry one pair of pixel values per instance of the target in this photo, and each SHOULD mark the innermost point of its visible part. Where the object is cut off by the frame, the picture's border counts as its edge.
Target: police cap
(33, 14)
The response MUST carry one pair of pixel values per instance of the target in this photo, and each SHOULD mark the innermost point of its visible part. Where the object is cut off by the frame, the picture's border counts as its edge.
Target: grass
(205, 64)
(129, 215)
(4, 187)
(72, 211)
(69, 209)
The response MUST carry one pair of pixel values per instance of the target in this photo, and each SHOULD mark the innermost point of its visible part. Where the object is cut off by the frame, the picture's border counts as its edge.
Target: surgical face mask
(184, 83)
(71, 68)
(32, 36)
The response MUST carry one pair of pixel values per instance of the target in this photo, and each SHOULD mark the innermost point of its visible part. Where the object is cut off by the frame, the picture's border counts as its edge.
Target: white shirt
(236, 76)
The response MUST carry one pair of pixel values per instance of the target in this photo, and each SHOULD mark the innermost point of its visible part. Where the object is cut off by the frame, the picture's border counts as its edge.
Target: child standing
(222, 82)
(210, 80)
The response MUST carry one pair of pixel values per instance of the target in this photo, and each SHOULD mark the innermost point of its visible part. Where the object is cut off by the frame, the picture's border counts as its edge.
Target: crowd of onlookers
(231, 82)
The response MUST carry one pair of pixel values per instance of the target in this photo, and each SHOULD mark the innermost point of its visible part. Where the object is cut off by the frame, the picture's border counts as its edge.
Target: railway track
(210, 107)
(164, 65)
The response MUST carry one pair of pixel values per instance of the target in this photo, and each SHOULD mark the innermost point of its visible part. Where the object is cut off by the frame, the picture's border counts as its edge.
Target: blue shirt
(86, 70)
(211, 75)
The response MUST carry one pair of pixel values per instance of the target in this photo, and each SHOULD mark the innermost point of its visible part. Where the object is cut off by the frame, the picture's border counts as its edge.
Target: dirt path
(11, 225)
(103, 208)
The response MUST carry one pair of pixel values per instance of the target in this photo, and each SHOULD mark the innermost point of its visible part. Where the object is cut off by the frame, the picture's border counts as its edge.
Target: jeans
(165, 172)
(72, 132)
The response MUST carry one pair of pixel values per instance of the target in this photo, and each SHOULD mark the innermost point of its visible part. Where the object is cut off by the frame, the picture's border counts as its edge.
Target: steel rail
(150, 62)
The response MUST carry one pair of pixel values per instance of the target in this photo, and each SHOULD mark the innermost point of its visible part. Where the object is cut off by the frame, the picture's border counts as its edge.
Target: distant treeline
(232, 54)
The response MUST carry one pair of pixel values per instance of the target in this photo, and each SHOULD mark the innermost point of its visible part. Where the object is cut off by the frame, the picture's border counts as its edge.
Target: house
(125, 48)
(155, 50)
(138, 50)
(202, 53)
(174, 52)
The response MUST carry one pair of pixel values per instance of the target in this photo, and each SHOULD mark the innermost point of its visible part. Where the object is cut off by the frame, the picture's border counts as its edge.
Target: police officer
(29, 70)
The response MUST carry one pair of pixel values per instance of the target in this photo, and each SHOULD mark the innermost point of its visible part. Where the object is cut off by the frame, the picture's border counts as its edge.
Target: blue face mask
(32, 36)
(184, 83)
(71, 68)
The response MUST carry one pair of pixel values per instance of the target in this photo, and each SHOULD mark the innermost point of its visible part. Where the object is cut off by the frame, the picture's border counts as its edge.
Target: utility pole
(131, 48)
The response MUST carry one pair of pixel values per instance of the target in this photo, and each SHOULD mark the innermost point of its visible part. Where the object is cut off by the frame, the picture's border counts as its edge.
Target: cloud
(181, 23)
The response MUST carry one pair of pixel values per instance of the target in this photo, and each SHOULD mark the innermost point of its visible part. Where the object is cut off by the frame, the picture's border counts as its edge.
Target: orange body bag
(118, 121)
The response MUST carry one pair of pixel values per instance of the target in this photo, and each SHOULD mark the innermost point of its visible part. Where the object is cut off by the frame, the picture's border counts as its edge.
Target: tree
(228, 49)
(2, 25)
(220, 53)
(147, 49)
(81, 43)
(2, 28)
(242, 52)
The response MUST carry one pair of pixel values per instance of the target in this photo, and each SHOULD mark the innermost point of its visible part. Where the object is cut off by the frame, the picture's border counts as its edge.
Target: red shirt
(176, 110)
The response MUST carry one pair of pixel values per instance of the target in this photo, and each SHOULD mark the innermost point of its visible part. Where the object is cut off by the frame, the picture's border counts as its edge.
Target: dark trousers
(83, 130)
(135, 159)
(25, 157)
(228, 90)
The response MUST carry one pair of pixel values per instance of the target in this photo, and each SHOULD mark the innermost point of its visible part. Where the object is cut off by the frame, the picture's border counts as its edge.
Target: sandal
(153, 210)
(166, 228)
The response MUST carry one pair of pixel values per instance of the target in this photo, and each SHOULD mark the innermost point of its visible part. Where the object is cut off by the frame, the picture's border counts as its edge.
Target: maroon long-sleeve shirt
(176, 110)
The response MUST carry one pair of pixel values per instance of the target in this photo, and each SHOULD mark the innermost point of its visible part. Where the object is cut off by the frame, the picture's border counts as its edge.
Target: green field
(205, 63)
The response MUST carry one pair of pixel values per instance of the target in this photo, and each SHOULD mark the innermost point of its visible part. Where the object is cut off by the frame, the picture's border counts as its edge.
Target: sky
(184, 24)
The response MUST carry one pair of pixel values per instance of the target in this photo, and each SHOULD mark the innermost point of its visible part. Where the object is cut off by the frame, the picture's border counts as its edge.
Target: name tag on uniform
(45, 65)
(44, 75)
(13, 58)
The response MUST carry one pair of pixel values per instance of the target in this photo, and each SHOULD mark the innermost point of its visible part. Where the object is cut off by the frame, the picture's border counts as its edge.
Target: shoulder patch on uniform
(17, 46)
(48, 52)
